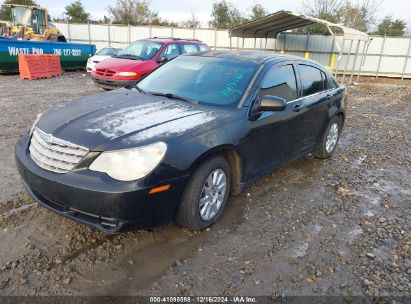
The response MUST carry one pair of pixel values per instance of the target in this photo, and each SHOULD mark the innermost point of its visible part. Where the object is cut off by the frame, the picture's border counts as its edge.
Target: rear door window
(281, 82)
(203, 47)
(312, 80)
(188, 48)
(170, 51)
(329, 82)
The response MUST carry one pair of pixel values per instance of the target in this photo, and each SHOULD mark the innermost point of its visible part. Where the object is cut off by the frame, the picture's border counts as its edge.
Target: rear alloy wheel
(330, 139)
(206, 195)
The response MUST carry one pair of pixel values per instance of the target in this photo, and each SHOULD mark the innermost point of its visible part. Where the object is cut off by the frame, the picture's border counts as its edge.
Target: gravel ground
(335, 227)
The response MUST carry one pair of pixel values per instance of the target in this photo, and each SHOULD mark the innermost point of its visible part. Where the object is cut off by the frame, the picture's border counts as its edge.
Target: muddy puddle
(170, 246)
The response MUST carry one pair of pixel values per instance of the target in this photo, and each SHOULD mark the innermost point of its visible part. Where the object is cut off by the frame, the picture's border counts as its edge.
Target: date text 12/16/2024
(203, 299)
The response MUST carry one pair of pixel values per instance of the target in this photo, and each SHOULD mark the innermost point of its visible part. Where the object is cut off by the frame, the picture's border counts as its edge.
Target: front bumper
(112, 84)
(95, 199)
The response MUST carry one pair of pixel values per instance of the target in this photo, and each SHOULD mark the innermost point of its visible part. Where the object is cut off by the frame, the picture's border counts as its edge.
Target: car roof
(254, 56)
(171, 39)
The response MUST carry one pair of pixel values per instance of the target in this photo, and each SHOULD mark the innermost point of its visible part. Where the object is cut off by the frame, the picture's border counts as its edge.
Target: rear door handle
(328, 96)
(298, 108)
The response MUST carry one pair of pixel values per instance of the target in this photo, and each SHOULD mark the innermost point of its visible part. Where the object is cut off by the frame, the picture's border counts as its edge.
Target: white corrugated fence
(382, 56)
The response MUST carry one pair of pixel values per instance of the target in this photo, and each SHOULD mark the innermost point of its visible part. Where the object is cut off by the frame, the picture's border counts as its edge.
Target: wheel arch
(341, 115)
(234, 160)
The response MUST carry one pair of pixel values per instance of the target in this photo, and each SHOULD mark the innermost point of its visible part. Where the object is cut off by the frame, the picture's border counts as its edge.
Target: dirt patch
(335, 227)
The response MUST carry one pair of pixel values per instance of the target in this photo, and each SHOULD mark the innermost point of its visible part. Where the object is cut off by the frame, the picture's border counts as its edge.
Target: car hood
(119, 64)
(99, 57)
(126, 118)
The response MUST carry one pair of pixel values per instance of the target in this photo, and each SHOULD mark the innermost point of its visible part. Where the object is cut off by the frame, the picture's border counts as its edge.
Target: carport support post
(275, 42)
(355, 59)
(255, 43)
(332, 56)
(346, 63)
(406, 60)
(231, 43)
(362, 61)
(379, 60)
(337, 61)
(307, 54)
(128, 34)
(194, 32)
(172, 32)
(88, 30)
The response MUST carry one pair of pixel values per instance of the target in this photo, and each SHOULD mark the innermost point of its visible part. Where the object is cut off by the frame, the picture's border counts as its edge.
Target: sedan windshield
(140, 50)
(107, 52)
(207, 80)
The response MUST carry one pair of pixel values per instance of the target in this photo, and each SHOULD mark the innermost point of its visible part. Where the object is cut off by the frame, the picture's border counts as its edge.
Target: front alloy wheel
(212, 194)
(206, 194)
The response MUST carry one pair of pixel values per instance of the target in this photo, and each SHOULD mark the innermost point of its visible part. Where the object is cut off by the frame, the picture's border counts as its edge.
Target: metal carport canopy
(271, 25)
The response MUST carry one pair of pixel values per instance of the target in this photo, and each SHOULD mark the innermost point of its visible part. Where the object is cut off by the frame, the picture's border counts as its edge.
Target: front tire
(329, 139)
(206, 195)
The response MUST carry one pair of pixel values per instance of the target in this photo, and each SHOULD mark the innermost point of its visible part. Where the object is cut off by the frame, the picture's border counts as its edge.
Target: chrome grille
(54, 154)
(105, 72)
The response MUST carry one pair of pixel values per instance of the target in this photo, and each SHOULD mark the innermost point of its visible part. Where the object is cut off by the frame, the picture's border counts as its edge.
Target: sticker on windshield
(231, 85)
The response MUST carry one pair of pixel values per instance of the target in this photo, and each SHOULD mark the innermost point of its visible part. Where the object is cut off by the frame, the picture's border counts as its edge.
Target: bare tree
(132, 12)
(318, 8)
(357, 14)
(360, 15)
(193, 22)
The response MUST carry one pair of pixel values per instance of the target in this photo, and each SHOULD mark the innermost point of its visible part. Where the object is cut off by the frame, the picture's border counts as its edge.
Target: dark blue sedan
(179, 142)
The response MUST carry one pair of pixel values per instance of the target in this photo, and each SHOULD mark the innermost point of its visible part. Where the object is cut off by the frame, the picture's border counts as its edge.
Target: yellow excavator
(31, 23)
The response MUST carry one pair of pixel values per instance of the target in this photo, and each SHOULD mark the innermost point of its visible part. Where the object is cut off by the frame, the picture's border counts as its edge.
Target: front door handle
(298, 108)
(328, 96)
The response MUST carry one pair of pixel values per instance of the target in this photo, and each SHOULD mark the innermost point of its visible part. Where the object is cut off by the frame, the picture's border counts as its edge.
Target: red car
(140, 58)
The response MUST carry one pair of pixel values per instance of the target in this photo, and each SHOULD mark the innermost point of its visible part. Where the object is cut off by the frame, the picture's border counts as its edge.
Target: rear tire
(329, 139)
(206, 195)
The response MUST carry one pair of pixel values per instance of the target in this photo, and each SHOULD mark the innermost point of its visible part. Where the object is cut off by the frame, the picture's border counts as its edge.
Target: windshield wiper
(129, 56)
(138, 88)
(172, 96)
(135, 86)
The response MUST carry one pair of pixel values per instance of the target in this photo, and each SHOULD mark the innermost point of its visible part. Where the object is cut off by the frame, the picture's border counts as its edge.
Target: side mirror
(162, 59)
(272, 103)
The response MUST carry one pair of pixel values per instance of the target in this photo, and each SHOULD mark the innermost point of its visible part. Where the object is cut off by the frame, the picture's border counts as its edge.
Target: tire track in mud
(135, 270)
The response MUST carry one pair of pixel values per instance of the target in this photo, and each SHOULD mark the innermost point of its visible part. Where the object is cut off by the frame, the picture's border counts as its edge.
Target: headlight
(89, 60)
(131, 164)
(38, 116)
(129, 74)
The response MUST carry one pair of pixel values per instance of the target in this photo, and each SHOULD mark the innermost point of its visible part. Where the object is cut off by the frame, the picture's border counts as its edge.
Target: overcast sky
(180, 10)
